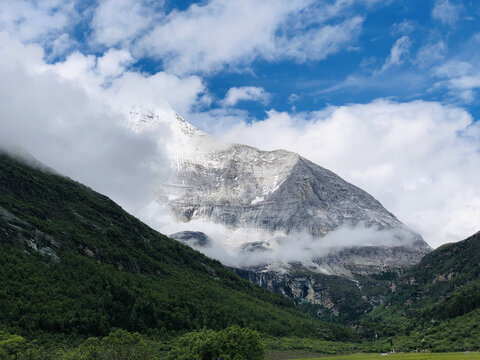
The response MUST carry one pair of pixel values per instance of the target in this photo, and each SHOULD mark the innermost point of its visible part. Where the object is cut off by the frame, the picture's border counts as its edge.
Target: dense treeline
(233, 343)
(77, 295)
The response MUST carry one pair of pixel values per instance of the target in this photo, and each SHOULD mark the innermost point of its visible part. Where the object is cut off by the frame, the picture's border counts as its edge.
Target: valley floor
(290, 355)
(402, 356)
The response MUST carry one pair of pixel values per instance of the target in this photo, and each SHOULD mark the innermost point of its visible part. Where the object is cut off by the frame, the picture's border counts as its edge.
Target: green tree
(11, 346)
(232, 343)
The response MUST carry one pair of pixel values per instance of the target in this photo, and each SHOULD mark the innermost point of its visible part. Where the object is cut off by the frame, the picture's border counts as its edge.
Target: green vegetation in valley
(406, 356)
(233, 343)
(318, 346)
(80, 279)
(435, 305)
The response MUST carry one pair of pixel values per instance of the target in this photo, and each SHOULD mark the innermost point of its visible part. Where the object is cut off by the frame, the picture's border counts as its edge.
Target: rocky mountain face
(328, 297)
(279, 193)
(240, 186)
(344, 294)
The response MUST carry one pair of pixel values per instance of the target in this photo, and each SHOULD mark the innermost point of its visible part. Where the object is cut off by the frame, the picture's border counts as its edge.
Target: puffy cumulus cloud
(71, 116)
(245, 93)
(120, 21)
(47, 22)
(107, 76)
(420, 159)
(446, 12)
(219, 34)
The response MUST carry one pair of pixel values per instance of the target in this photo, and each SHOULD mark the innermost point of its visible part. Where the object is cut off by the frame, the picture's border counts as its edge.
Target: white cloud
(446, 12)
(293, 98)
(72, 116)
(404, 27)
(431, 53)
(45, 22)
(399, 49)
(245, 93)
(108, 76)
(228, 245)
(461, 78)
(119, 21)
(420, 159)
(113, 63)
(205, 37)
(219, 34)
(317, 44)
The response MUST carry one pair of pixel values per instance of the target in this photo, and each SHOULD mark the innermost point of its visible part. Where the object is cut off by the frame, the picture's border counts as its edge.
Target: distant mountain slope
(446, 283)
(73, 262)
(437, 301)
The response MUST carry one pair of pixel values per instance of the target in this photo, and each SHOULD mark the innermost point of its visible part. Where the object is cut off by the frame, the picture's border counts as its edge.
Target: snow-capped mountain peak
(273, 193)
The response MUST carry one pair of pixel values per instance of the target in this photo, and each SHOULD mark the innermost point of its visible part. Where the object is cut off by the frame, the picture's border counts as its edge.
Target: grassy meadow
(405, 356)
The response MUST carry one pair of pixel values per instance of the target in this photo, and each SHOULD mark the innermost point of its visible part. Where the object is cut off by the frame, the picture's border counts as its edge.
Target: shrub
(119, 345)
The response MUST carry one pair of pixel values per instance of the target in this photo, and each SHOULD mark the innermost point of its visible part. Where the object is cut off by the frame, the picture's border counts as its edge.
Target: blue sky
(318, 83)
(385, 93)
(436, 33)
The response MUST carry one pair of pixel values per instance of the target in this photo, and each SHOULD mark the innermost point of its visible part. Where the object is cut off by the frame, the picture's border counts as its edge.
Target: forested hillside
(72, 262)
(435, 304)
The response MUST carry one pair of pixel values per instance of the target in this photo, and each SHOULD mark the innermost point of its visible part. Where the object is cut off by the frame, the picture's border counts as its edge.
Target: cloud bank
(249, 247)
(420, 159)
(66, 117)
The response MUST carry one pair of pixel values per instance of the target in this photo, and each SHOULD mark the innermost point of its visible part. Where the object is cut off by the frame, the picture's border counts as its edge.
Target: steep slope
(241, 186)
(446, 283)
(73, 262)
(435, 304)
